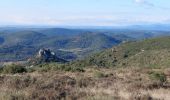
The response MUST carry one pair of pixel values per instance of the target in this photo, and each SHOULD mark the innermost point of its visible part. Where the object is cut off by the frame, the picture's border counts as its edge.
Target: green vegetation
(70, 44)
(100, 74)
(13, 69)
(130, 71)
(45, 67)
(158, 76)
(22, 44)
(1, 69)
(152, 53)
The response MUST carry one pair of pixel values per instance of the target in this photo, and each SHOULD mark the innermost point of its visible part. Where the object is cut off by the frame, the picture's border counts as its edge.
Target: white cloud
(139, 1)
(145, 2)
(150, 4)
(84, 20)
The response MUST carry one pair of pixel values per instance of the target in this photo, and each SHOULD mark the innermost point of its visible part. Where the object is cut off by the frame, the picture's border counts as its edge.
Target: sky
(84, 12)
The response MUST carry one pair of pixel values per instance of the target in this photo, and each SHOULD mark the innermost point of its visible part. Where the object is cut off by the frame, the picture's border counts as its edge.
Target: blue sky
(84, 12)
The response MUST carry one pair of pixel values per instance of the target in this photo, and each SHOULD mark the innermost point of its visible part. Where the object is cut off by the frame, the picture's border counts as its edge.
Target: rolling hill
(67, 43)
(153, 52)
(23, 37)
(138, 69)
(70, 44)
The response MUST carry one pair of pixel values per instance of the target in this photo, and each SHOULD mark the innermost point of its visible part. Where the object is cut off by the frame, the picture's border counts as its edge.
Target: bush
(78, 69)
(55, 67)
(30, 70)
(13, 69)
(99, 74)
(1, 69)
(158, 76)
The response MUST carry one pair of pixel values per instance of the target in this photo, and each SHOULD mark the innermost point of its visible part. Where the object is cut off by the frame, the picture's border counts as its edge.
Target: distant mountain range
(158, 27)
(70, 44)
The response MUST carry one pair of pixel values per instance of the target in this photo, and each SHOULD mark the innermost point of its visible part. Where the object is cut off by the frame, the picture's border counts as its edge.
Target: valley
(70, 44)
(84, 50)
(84, 66)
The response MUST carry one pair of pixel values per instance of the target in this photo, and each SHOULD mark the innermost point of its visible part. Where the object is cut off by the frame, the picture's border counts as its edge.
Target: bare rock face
(45, 55)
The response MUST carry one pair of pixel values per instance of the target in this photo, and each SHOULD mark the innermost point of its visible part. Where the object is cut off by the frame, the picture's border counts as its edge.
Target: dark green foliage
(125, 55)
(102, 59)
(56, 67)
(13, 69)
(158, 76)
(1, 69)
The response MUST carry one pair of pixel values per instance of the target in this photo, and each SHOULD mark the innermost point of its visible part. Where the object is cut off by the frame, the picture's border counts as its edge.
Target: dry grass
(119, 84)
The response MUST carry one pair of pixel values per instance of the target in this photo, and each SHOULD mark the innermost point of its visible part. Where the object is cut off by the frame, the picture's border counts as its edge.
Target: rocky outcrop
(46, 55)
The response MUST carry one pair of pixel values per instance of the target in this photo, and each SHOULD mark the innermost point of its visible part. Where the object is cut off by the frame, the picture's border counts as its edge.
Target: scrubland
(92, 84)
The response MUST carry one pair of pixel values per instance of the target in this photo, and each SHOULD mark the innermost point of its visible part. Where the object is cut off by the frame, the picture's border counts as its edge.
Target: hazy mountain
(158, 27)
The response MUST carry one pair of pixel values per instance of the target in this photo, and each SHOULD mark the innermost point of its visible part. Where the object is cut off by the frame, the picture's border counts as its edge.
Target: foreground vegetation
(92, 84)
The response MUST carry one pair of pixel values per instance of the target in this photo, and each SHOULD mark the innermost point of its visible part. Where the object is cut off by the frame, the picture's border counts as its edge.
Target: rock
(45, 55)
(48, 56)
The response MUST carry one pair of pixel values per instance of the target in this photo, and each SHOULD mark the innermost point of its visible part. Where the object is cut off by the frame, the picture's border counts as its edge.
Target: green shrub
(13, 69)
(158, 76)
(66, 68)
(55, 67)
(99, 74)
(78, 69)
(44, 67)
(30, 70)
(1, 69)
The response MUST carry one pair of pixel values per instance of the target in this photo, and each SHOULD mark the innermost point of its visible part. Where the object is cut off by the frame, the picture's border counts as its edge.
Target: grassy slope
(147, 53)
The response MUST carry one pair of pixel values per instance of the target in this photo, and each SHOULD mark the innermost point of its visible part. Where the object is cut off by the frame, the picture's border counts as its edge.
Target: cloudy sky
(84, 12)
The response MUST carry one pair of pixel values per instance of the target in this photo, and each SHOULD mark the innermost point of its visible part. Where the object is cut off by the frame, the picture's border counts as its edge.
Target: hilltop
(153, 52)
